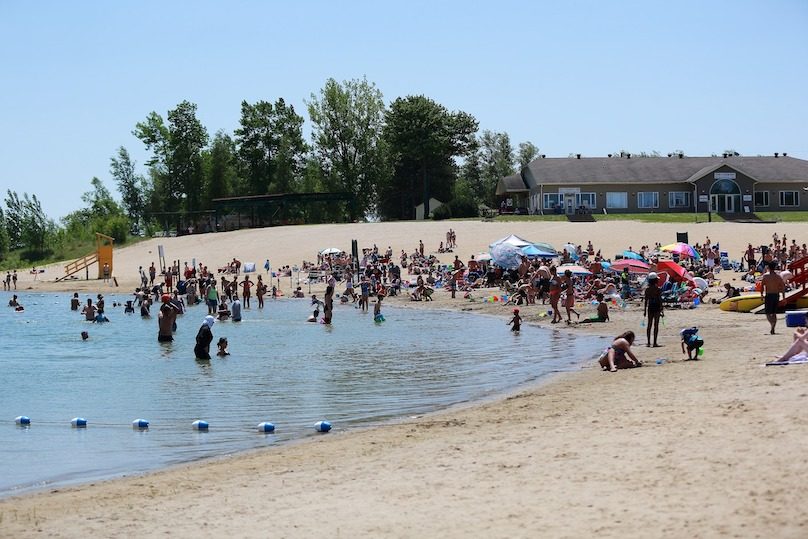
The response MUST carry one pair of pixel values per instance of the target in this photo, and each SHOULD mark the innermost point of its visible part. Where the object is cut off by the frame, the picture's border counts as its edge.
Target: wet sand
(685, 449)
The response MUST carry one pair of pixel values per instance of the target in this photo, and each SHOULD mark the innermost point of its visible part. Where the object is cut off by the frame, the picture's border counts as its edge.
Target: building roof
(605, 170)
(512, 184)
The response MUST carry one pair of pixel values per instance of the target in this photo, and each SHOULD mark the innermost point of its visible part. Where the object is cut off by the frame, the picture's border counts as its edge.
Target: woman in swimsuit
(555, 294)
(569, 301)
(652, 307)
(619, 354)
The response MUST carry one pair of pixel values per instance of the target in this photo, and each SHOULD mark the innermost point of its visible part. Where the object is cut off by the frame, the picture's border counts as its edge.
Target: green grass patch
(658, 217)
(523, 218)
(70, 250)
(784, 216)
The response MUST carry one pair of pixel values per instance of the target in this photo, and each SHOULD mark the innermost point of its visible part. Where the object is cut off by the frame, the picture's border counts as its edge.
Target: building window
(761, 199)
(587, 200)
(789, 198)
(551, 201)
(678, 199)
(648, 199)
(617, 201)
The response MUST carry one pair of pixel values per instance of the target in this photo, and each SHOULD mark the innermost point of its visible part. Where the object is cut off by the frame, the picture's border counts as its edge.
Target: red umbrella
(676, 272)
(634, 266)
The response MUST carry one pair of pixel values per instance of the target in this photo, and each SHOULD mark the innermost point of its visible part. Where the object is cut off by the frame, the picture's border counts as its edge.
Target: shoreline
(705, 448)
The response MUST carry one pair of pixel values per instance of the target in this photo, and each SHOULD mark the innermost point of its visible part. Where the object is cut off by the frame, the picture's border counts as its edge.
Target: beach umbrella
(547, 248)
(682, 249)
(676, 272)
(575, 269)
(483, 257)
(632, 255)
(532, 251)
(331, 251)
(512, 240)
(634, 266)
(506, 256)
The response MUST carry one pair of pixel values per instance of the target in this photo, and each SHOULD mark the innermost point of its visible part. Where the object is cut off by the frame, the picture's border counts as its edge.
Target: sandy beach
(684, 449)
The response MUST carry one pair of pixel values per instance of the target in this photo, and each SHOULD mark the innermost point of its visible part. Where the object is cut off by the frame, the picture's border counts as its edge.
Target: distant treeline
(389, 157)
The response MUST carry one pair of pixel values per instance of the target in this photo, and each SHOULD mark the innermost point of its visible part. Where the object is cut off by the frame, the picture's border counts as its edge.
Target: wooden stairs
(79, 264)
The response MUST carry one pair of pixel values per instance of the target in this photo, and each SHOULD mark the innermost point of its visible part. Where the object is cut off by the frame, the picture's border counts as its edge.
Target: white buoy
(266, 426)
(78, 422)
(22, 420)
(322, 426)
(200, 425)
(140, 424)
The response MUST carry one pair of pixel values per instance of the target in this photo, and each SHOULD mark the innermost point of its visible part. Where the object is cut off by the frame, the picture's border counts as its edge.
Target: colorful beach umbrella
(532, 251)
(682, 249)
(632, 255)
(634, 266)
(676, 272)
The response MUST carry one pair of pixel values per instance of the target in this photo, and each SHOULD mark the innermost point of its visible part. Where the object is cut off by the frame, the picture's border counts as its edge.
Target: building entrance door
(569, 203)
(725, 203)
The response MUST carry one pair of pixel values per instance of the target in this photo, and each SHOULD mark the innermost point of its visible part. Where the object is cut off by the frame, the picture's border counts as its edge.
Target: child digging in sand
(692, 341)
(603, 312)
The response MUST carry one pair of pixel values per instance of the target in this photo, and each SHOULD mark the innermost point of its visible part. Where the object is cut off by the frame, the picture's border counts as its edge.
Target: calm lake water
(281, 369)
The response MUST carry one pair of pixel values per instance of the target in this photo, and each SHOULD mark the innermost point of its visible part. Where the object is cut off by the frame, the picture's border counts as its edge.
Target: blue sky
(589, 77)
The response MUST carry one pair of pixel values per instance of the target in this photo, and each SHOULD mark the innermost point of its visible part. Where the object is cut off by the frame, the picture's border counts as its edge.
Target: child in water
(377, 309)
(516, 321)
(222, 346)
(317, 304)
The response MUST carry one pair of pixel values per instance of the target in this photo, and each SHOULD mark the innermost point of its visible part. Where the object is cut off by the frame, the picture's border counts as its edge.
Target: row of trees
(390, 158)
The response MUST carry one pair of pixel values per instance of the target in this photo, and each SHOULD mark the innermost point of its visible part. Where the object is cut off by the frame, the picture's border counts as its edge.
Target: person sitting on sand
(603, 312)
(222, 346)
(798, 346)
(619, 354)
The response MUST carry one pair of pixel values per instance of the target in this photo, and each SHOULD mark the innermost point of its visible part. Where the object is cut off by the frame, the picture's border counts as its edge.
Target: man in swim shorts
(772, 285)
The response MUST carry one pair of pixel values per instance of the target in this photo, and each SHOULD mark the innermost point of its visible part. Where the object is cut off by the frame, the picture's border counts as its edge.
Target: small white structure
(433, 205)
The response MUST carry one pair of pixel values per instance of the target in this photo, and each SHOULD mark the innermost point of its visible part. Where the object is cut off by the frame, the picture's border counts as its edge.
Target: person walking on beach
(772, 285)
(569, 300)
(652, 308)
(203, 338)
(152, 274)
(166, 318)
(14, 279)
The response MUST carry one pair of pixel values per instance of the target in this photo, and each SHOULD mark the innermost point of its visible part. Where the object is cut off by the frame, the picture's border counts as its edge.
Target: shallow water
(281, 369)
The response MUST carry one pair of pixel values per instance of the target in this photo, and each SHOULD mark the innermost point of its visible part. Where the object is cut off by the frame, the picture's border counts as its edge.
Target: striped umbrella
(682, 249)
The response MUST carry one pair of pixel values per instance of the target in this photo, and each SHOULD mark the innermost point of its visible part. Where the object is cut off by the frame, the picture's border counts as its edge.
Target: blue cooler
(796, 318)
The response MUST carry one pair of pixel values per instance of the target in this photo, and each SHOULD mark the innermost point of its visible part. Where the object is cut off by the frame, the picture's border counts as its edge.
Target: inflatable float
(745, 303)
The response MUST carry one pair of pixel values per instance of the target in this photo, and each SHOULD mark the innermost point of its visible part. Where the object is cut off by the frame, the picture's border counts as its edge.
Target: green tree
(13, 218)
(270, 146)
(131, 185)
(496, 160)
(35, 228)
(155, 135)
(5, 243)
(221, 178)
(347, 120)
(423, 138)
(527, 152)
(187, 138)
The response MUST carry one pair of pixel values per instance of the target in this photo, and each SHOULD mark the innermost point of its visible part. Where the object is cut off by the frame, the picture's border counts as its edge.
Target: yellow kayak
(744, 304)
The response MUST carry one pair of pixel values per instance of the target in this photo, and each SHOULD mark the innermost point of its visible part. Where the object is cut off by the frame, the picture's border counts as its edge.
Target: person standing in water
(328, 302)
(204, 337)
(165, 320)
(516, 321)
(260, 291)
(75, 302)
(89, 311)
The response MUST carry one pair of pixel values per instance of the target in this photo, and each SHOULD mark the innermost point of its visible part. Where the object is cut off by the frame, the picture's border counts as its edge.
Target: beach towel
(249, 267)
(799, 359)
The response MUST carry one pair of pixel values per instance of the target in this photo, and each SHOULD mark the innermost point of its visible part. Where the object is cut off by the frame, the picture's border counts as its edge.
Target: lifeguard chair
(102, 256)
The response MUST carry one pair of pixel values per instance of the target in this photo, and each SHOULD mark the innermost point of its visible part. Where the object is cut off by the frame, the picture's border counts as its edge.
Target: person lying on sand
(798, 346)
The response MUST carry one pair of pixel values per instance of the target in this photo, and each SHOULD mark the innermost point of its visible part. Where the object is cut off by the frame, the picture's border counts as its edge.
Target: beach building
(727, 184)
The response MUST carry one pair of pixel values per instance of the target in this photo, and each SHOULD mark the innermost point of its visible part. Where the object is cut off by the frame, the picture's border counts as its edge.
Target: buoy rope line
(173, 425)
